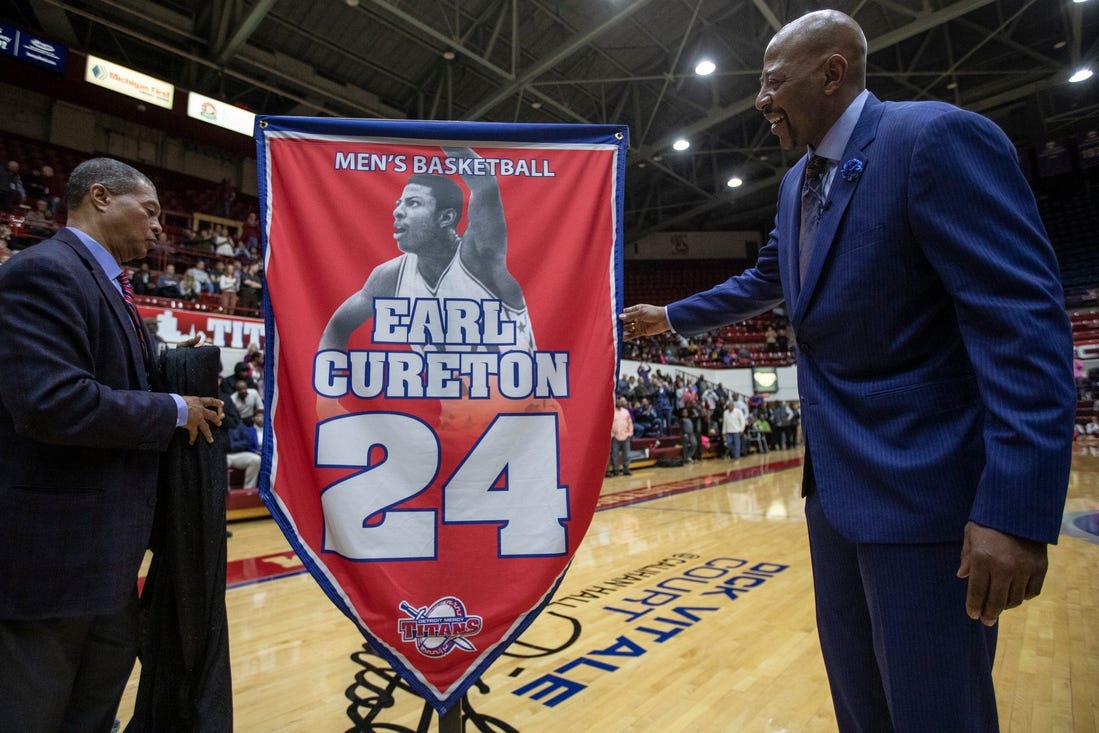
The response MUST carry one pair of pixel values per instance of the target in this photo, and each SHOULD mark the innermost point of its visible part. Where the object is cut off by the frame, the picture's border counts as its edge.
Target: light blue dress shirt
(112, 269)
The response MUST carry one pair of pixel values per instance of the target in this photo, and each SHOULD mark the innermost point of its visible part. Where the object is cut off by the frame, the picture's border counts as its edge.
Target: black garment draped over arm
(185, 677)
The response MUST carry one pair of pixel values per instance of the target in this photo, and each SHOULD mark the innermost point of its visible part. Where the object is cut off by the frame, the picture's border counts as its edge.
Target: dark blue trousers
(66, 675)
(900, 651)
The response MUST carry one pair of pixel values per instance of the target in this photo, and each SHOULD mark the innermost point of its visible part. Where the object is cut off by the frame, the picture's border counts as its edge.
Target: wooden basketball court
(688, 608)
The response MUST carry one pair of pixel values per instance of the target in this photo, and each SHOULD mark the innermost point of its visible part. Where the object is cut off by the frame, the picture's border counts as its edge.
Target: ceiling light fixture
(681, 144)
(705, 67)
(734, 182)
(1082, 74)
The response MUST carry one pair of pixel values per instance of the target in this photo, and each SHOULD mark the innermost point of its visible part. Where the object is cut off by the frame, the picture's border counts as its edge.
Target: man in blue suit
(81, 431)
(934, 369)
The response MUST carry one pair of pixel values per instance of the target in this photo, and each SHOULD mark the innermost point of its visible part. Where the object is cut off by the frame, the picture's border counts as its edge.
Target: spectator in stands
(44, 185)
(663, 404)
(251, 287)
(187, 237)
(643, 371)
(258, 420)
(252, 353)
(204, 241)
(142, 280)
(247, 401)
(226, 248)
(201, 277)
(707, 406)
(621, 434)
(228, 284)
(783, 339)
(249, 230)
(223, 245)
(256, 365)
(167, 285)
(39, 220)
(687, 442)
(189, 289)
(5, 242)
(782, 417)
(243, 448)
(34, 186)
(733, 424)
(933, 253)
(241, 252)
(645, 421)
(763, 425)
(12, 191)
(241, 372)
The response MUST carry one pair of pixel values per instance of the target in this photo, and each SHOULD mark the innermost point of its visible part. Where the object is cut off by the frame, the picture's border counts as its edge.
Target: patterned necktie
(812, 206)
(131, 306)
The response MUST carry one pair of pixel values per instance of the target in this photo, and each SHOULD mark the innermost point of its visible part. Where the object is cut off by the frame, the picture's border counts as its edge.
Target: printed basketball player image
(452, 300)
(439, 264)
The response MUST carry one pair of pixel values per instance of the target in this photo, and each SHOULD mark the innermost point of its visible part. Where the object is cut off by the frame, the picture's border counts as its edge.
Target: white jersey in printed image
(457, 282)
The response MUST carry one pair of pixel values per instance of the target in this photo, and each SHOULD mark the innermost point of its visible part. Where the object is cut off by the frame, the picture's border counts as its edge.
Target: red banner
(442, 345)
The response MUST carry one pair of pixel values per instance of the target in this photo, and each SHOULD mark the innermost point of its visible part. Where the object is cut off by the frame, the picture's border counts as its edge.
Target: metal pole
(451, 720)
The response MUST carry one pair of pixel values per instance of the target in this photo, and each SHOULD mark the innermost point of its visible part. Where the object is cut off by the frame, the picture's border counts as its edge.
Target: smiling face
(791, 94)
(813, 68)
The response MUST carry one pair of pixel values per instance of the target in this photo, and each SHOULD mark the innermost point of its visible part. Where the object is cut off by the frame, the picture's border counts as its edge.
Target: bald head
(813, 69)
(823, 33)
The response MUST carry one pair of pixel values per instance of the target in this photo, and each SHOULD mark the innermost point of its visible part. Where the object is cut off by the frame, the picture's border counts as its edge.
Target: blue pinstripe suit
(934, 359)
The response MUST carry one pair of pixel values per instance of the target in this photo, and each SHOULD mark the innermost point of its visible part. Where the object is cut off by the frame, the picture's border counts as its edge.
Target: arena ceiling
(597, 61)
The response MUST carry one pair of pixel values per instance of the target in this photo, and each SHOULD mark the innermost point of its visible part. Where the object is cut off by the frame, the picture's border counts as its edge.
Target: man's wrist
(181, 410)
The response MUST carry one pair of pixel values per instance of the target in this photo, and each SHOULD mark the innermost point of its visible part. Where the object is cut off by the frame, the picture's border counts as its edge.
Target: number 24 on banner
(508, 478)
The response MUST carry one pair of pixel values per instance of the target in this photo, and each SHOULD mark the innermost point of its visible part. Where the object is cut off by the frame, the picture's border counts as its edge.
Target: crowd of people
(757, 341)
(244, 414)
(699, 414)
(217, 260)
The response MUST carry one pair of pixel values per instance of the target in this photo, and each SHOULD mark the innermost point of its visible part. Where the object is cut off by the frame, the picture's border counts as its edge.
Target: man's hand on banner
(643, 320)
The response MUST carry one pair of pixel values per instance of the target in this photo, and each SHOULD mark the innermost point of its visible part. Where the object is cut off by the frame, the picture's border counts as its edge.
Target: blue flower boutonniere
(851, 170)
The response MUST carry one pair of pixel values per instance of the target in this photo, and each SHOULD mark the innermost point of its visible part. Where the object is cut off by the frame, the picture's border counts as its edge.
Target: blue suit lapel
(840, 194)
(790, 221)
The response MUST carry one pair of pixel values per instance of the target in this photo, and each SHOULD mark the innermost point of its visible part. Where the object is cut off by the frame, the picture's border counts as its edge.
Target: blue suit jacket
(80, 437)
(935, 353)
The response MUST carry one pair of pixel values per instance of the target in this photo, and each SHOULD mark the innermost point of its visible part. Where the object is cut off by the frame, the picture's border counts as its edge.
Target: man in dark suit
(935, 376)
(81, 430)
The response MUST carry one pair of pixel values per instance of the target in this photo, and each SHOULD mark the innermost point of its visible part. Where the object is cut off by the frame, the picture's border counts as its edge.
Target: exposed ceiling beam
(920, 25)
(547, 63)
(247, 28)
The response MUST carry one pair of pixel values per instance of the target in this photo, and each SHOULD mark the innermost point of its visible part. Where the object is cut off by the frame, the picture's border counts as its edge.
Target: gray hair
(115, 175)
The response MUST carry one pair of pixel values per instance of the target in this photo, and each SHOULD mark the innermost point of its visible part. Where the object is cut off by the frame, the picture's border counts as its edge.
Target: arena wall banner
(442, 345)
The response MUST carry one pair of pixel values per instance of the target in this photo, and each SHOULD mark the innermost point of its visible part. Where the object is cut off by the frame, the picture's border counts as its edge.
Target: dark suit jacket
(80, 437)
(934, 363)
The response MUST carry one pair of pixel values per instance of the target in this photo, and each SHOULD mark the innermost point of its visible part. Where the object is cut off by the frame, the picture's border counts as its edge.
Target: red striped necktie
(131, 306)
